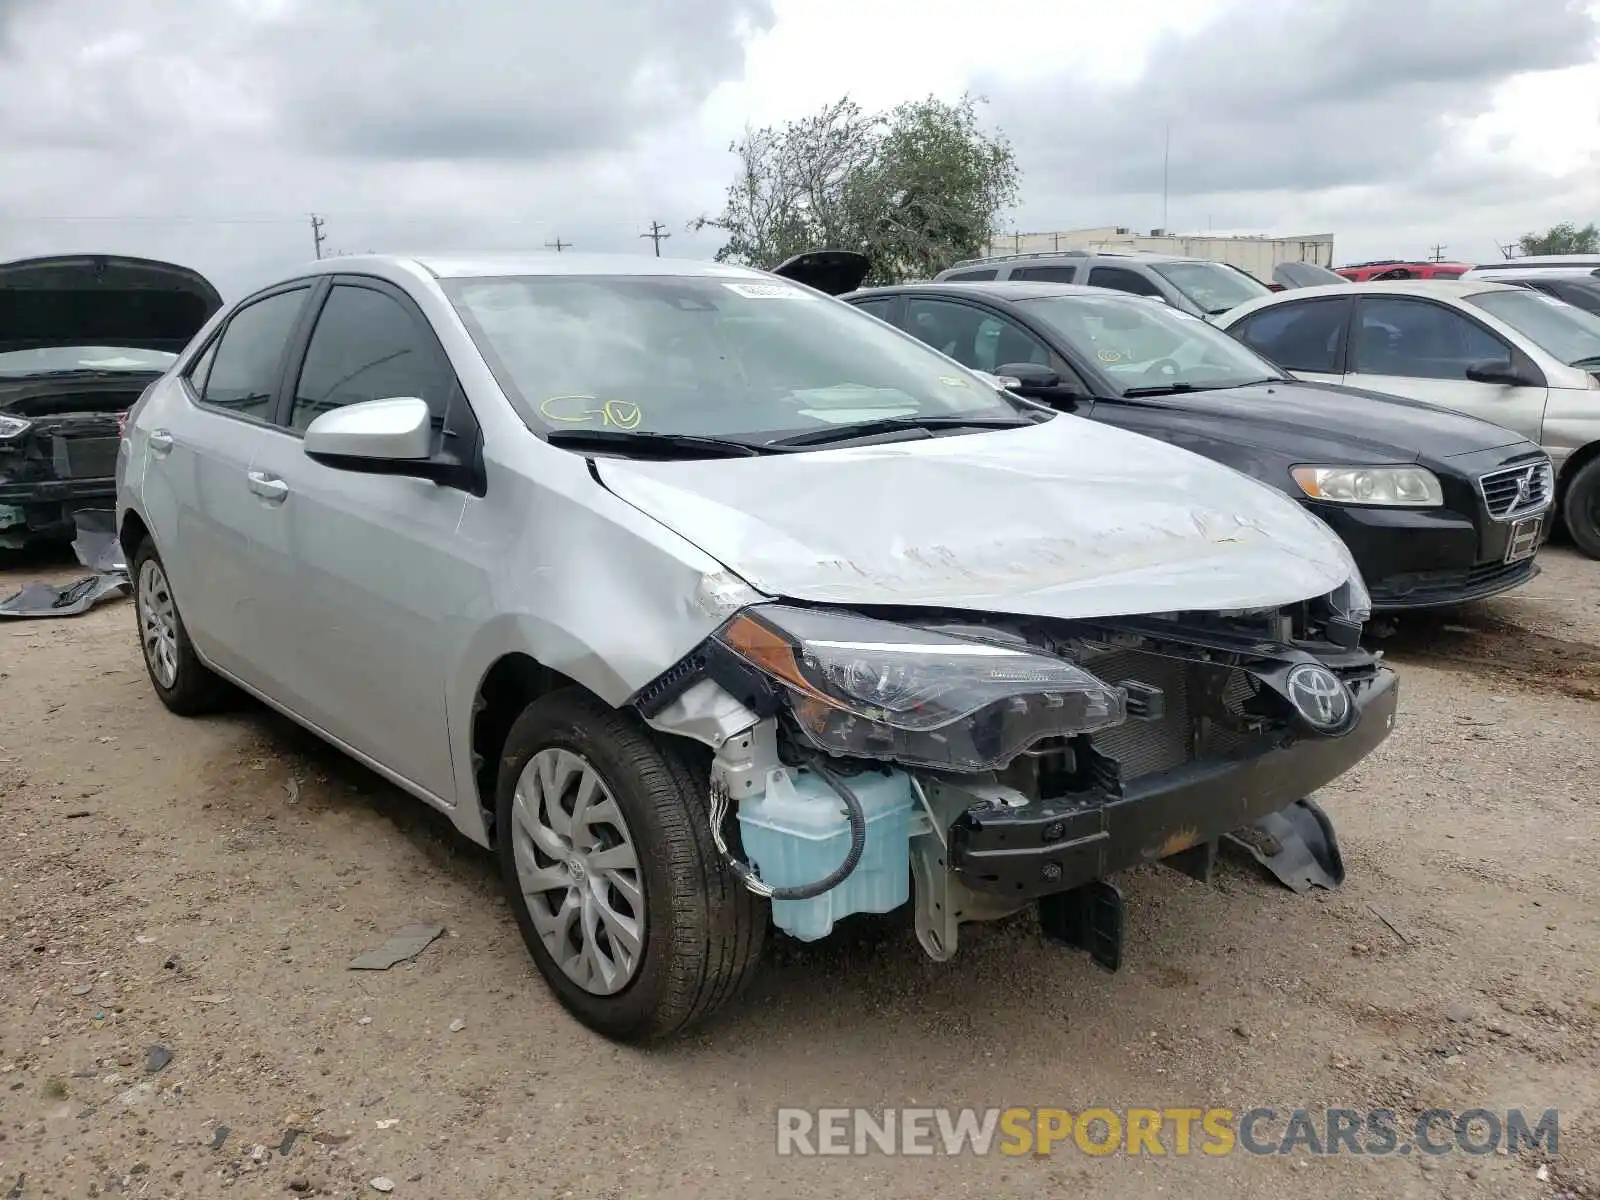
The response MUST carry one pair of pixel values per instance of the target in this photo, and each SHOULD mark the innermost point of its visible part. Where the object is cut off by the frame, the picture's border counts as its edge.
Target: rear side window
(1307, 336)
(964, 276)
(367, 346)
(243, 371)
(1122, 280)
(1046, 274)
(882, 307)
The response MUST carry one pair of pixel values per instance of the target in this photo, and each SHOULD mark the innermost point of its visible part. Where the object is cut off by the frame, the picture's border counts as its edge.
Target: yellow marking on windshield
(579, 409)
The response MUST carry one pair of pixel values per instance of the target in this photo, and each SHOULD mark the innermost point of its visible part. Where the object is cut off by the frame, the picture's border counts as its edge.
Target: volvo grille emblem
(1320, 697)
(1524, 488)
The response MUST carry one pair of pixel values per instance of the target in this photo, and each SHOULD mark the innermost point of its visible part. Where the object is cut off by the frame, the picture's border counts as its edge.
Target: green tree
(1565, 238)
(914, 189)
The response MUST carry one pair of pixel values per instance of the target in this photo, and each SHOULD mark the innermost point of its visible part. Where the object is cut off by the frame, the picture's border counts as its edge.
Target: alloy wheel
(579, 872)
(158, 624)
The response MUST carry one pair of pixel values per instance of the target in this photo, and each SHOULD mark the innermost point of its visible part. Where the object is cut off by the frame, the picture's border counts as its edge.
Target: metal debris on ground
(290, 1136)
(156, 1059)
(41, 600)
(96, 543)
(1400, 933)
(403, 945)
(219, 1135)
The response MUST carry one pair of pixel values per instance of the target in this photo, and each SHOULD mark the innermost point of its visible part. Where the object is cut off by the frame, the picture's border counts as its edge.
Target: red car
(1394, 268)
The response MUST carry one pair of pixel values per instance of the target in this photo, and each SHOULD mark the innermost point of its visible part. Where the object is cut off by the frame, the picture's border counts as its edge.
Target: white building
(1255, 253)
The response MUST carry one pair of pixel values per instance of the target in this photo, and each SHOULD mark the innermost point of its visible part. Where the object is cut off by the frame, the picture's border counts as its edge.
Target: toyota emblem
(1320, 697)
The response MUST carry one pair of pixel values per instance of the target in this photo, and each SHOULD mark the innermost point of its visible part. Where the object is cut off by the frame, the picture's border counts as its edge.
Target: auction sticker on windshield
(765, 291)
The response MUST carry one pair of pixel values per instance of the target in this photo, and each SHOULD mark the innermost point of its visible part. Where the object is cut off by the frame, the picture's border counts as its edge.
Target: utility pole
(1438, 253)
(656, 234)
(1507, 249)
(1166, 161)
(317, 237)
(558, 245)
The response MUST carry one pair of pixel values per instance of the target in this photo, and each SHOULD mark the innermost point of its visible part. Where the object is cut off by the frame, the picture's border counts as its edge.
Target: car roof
(1455, 289)
(999, 289)
(480, 266)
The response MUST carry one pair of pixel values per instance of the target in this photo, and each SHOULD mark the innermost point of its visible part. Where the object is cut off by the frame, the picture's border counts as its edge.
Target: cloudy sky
(207, 130)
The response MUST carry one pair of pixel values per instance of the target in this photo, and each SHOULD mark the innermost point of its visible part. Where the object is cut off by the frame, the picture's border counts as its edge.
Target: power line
(316, 233)
(656, 234)
(558, 245)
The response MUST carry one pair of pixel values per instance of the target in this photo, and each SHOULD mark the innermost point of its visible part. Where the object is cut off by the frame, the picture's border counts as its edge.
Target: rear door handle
(160, 441)
(268, 487)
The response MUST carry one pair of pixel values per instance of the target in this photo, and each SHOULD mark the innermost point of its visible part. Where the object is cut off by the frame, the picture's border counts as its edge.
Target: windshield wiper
(1589, 360)
(673, 445)
(1171, 389)
(857, 429)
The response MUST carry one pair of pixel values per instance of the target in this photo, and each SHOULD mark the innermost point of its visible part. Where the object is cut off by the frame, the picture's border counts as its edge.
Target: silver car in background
(1518, 358)
(710, 602)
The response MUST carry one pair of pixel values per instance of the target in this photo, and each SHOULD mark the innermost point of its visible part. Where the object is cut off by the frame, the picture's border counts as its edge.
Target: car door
(383, 587)
(1422, 348)
(1305, 338)
(204, 508)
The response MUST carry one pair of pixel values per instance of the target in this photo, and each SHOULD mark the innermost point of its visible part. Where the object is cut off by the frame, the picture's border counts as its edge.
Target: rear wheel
(1580, 508)
(185, 684)
(610, 870)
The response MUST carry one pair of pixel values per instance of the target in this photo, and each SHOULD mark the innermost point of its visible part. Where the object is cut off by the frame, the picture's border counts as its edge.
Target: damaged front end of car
(58, 454)
(997, 762)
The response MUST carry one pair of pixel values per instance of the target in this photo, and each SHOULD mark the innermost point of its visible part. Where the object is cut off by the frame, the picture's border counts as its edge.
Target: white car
(710, 601)
(1514, 356)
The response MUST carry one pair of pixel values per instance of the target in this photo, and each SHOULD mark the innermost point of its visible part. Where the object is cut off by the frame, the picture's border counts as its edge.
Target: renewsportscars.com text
(1179, 1132)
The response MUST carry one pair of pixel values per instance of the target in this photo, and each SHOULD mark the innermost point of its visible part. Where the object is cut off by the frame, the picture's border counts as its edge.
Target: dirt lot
(200, 886)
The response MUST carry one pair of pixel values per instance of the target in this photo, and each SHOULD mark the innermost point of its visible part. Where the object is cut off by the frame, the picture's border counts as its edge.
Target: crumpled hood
(1065, 519)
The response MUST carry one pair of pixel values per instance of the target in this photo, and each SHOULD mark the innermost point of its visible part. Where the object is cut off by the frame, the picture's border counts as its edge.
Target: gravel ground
(193, 890)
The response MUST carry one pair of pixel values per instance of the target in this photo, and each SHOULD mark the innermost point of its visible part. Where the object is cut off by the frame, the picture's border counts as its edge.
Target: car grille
(85, 457)
(1144, 747)
(1512, 491)
(1422, 586)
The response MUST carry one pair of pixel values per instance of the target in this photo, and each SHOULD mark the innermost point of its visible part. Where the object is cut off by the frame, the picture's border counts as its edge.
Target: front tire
(184, 683)
(1580, 508)
(611, 873)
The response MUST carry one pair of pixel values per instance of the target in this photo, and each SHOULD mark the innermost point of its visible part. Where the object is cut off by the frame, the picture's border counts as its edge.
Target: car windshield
(84, 358)
(710, 356)
(1214, 288)
(1556, 327)
(1141, 344)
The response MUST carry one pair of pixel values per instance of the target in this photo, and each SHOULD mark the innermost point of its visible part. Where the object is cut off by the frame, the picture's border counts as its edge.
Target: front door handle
(268, 487)
(160, 441)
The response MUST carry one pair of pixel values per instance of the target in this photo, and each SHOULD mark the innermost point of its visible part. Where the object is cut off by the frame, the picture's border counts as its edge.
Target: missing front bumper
(1051, 846)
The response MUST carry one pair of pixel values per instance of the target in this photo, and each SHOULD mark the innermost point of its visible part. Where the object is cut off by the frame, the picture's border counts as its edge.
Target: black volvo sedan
(1436, 507)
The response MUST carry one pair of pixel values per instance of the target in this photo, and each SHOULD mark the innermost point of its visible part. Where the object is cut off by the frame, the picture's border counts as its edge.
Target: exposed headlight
(1407, 487)
(11, 427)
(875, 689)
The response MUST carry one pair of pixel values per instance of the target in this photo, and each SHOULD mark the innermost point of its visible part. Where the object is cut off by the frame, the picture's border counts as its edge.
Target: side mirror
(1501, 371)
(1029, 378)
(398, 430)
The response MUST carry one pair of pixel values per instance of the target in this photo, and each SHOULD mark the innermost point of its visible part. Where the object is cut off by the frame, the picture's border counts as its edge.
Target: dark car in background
(81, 337)
(1436, 507)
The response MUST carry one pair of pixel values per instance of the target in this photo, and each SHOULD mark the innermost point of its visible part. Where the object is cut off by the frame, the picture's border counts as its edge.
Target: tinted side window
(972, 337)
(1122, 280)
(949, 328)
(967, 275)
(202, 368)
(243, 375)
(882, 307)
(1046, 274)
(1413, 338)
(1299, 337)
(366, 346)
